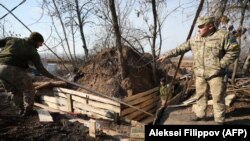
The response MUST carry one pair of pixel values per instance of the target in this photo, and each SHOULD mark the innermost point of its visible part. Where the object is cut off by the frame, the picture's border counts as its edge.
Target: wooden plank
(97, 104)
(90, 96)
(92, 129)
(108, 132)
(55, 106)
(44, 115)
(148, 120)
(142, 116)
(136, 113)
(141, 105)
(90, 114)
(48, 108)
(92, 109)
(139, 95)
(142, 99)
(69, 103)
(137, 132)
(56, 100)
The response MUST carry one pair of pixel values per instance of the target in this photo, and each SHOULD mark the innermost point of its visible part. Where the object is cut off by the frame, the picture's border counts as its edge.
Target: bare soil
(102, 74)
(16, 128)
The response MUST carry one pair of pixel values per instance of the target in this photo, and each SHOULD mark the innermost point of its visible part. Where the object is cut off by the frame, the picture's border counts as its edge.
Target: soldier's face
(205, 29)
(38, 44)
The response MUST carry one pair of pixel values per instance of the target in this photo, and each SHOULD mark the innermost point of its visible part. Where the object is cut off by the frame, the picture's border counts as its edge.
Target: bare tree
(154, 38)
(72, 16)
(118, 38)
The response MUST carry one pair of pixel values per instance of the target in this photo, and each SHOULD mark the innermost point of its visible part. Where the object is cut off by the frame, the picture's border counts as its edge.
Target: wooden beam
(69, 103)
(92, 128)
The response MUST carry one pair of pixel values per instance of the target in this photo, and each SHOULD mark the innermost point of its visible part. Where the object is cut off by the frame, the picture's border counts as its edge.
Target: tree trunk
(118, 39)
(239, 39)
(154, 40)
(81, 30)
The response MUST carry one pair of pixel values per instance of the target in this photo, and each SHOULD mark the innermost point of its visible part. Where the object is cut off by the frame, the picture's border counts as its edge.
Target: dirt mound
(101, 73)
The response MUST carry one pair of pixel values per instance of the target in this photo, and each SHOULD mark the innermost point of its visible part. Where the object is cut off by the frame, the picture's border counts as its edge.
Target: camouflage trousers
(216, 87)
(20, 84)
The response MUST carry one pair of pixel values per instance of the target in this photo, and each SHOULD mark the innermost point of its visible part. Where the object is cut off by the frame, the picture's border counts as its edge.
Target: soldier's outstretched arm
(184, 47)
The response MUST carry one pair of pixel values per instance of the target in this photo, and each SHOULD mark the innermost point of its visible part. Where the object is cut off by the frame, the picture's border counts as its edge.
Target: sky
(174, 32)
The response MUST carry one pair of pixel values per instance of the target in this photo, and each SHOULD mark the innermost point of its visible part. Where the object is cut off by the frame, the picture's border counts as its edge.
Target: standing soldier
(213, 51)
(164, 91)
(15, 55)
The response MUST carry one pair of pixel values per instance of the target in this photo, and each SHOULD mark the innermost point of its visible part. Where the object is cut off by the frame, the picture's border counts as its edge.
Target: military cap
(205, 20)
(163, 80)
(35, 36)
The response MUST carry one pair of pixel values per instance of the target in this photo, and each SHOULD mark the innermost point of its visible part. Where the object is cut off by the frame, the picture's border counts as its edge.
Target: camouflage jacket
(19, 52)
(164, 92)
(212, 54)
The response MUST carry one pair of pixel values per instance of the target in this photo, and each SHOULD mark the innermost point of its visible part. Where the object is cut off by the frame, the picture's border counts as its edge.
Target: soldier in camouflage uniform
(15, 55)
(164, 91)
(213, 50)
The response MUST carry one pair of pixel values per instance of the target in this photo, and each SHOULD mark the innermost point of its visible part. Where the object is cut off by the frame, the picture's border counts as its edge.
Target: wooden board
(139, 95)
(85, 95)
(55, 106)
(56, 100)
(147, 120)
(153, 100)
(88, 108)
(96, 104)
(90, 114)
(137, 113)
(142, 99)
(142, 116)
(44, 115)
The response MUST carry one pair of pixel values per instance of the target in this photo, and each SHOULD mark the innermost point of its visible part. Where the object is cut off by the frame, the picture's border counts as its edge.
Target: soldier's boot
(195, 118)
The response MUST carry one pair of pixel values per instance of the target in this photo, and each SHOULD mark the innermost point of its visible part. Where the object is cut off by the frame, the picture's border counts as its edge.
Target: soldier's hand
(162, 58)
